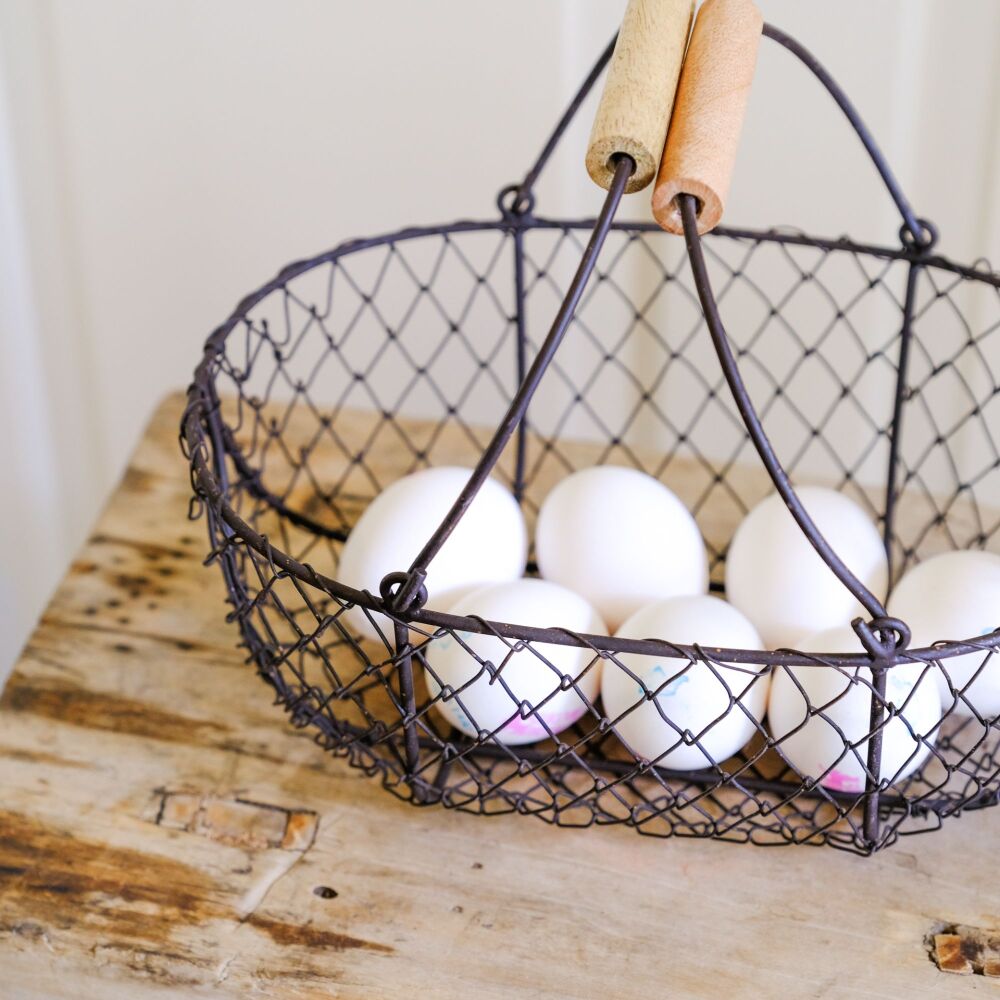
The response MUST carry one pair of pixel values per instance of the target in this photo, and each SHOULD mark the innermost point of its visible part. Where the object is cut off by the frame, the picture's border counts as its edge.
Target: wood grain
(638, 95)
(700, 150)
(164, 833)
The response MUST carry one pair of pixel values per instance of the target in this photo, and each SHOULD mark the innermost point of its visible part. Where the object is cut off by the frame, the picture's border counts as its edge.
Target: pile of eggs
(618, 553)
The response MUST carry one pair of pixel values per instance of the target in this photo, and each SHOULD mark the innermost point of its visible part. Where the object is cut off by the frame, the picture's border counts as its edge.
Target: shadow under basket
(873, 370)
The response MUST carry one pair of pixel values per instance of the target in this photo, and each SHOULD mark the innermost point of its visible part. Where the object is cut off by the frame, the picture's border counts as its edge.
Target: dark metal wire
(921, 234)
(257, 473)
(896, 431)
(624, 169)
(523, 203)
(689, 217)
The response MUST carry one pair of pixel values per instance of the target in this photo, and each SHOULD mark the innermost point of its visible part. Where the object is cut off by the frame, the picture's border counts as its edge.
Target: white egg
(780, 582)
(489, 544)
(621, 539)
(693, 698)
(952, 597)
(530, 693)
(818, 711)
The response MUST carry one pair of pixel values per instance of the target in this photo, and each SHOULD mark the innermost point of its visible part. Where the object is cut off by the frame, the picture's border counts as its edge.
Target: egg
(489, 544)
(817, 745)
(692, 697)
(952, 597)
(528, 693)
(621, 539)
(780, 582)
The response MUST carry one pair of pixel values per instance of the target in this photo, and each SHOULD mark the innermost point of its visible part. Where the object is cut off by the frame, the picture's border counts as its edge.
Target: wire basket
(865, 364)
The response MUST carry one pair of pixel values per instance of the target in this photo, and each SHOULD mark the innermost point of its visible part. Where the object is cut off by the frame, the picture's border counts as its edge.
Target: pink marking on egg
(533, 728)
(842, 782)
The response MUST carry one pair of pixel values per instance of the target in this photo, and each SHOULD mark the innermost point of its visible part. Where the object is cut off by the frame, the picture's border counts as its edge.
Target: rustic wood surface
(163, 833)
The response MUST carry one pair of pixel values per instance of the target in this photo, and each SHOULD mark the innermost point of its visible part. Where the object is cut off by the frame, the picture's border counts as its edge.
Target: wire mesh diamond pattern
(871, 370)
(387, 356)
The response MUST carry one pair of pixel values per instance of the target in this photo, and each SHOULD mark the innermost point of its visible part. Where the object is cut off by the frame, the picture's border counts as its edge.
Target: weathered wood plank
(163, 832)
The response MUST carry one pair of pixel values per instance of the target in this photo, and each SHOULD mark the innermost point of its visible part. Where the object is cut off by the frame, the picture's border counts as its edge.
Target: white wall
(158, 160)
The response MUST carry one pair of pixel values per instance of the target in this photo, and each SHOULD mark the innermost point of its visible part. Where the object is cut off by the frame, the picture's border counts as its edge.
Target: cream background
(158, 160)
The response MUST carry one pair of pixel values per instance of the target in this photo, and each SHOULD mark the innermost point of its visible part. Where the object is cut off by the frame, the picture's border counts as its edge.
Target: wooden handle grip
(639, 91)
(708, 116)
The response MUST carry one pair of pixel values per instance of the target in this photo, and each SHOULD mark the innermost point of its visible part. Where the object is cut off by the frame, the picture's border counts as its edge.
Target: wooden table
(163, 833)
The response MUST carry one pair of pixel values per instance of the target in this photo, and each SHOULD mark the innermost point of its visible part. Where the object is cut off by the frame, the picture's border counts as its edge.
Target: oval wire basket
(418, 348)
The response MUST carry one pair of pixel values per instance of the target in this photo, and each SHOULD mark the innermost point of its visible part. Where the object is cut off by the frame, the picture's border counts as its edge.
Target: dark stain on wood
(128, 899)
(58, 879)
(103, 710)
(41, 757)
(169, 968)
(25, 929)
(138, 480)
(310, 936)
(242, 748)
(133, 583)
(185, 645)
(147, 549)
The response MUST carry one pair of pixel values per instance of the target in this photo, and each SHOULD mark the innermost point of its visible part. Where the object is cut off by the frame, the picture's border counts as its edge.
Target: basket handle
(711, 105)
(917, 234)
(639, 91)
(687, 206)
(712, 94)
(405, 592)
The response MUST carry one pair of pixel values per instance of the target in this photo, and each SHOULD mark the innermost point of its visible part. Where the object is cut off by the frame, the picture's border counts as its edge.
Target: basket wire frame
(281, 464)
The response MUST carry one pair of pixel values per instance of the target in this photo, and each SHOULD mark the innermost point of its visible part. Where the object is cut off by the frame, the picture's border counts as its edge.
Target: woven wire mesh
(390, 355)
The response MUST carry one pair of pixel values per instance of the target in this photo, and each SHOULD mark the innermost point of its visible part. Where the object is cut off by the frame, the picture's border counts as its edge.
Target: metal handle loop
(755, 430)
(883, 637)
(525, 188)
(920, 235)
(403, 598)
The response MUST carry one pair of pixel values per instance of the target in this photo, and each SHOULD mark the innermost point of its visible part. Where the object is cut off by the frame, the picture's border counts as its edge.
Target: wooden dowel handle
(639, 91)
(708, 115)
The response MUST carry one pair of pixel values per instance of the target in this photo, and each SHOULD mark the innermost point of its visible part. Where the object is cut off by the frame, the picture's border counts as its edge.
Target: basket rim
(980, 270)
(201, 410)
